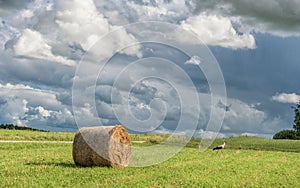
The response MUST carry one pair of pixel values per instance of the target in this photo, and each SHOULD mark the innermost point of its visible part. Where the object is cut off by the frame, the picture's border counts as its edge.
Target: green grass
(254, 143)
(6, 134)
(245, 162)
(51, 165)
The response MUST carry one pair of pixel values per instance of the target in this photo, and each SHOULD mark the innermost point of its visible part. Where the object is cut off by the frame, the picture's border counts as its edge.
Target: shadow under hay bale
(102, 146)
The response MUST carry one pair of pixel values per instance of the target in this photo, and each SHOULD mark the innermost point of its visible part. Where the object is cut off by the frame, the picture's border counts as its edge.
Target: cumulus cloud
(45, 32)
(217, 31)
(286, 98)
(242, 117)
(272, 16)
(105, 93)
(195, 60)
(38, 38)
(211, 27)
(35, 96)
(83, 24)
(26, 14)
(12, 110)
(27, 106)
(160, 10)
(32, 44)
(85, 115)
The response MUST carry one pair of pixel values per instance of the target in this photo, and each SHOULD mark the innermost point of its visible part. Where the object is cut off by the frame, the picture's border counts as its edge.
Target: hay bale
(102, 146)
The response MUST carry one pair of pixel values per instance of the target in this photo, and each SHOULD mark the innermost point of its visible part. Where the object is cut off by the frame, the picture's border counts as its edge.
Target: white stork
(220, 146)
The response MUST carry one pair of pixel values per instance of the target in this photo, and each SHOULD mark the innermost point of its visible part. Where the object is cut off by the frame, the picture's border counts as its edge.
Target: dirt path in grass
(35, 141)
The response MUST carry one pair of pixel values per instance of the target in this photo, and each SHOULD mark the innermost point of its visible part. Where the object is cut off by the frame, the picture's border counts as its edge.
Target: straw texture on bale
(102, 146)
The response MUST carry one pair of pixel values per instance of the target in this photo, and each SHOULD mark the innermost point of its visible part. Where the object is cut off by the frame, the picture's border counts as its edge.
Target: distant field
(244, 142)
(6, 134)
(51, 164)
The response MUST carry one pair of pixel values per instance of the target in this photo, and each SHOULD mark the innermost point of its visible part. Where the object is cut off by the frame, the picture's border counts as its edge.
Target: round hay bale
(102, 146)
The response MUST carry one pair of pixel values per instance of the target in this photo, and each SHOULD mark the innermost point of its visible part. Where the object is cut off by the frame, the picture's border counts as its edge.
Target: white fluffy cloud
(12, 110)
(160, 10)
(32, 44)
(34, 96)
(217, 31)
(81, 23)
(212, 28)
(26, 106)
(286, 98)
(195, 60)
(26, 14)
(242, 117)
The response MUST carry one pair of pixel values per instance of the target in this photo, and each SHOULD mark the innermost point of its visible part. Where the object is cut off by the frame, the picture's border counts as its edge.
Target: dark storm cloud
(12, 6)
(274, 16)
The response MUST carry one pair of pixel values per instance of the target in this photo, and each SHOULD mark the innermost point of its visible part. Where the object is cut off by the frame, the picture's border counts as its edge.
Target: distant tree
(7, 126)
(291, 134)
(296, 125)
(287, 134)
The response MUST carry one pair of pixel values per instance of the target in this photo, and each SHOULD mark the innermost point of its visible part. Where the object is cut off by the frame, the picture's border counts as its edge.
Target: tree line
(15, 127)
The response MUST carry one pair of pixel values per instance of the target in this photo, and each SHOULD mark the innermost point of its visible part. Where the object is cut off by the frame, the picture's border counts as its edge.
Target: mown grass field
(247, 161)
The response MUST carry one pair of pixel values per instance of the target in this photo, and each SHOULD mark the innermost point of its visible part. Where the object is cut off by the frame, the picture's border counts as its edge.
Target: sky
(190, 67)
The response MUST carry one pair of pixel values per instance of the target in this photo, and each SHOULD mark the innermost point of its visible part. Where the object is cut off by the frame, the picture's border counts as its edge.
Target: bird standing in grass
(220, 146)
